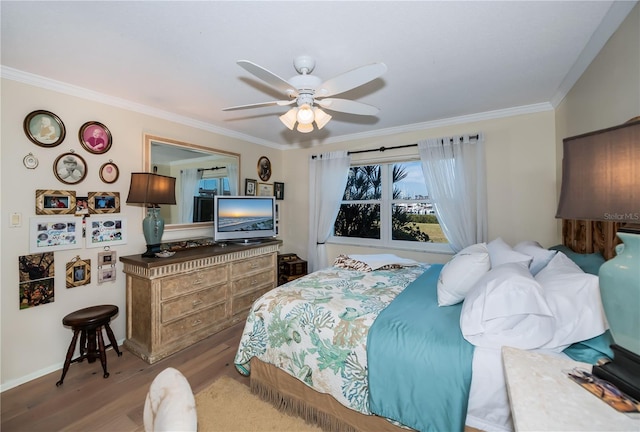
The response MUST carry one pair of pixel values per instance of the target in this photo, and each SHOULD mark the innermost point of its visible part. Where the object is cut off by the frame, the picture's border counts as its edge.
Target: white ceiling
(446, 60)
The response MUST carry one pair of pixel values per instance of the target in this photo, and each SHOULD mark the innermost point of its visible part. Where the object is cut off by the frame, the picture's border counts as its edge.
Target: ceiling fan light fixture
(289, 118)
(321, 117)
(305, 115)
(305, 128)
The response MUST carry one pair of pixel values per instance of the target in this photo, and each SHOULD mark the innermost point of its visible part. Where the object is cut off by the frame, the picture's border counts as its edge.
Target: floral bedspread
(315, 328)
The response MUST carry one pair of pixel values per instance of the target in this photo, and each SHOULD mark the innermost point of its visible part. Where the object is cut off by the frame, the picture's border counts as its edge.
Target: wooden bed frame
(294, 397)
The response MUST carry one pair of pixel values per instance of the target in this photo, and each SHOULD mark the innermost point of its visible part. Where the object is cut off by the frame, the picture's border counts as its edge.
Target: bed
(330, 377)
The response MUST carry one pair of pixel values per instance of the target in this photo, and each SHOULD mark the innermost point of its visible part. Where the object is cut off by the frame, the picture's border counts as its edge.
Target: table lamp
(601, 181)
(151, 190)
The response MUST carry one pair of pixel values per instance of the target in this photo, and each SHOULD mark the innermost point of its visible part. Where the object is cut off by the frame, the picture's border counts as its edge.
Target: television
(243, 219)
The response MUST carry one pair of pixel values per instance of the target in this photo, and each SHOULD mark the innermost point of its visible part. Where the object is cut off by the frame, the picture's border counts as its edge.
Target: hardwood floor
(88, 402)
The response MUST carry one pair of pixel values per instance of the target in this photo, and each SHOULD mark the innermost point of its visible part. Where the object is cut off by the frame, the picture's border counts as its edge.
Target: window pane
(358, 220)
(411, 222)
(363, 183)
(408, 181)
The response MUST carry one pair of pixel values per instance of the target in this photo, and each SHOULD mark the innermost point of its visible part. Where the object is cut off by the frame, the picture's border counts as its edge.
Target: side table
(543, 398)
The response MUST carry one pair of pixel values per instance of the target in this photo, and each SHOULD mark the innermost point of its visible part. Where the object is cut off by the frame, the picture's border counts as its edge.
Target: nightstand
(543, 398)
(290, 267)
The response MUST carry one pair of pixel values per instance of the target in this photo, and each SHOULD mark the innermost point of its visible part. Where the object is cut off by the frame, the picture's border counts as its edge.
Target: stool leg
(103, 354)
(67, 360)
(92, 350)
(112, 339)
(83, 345)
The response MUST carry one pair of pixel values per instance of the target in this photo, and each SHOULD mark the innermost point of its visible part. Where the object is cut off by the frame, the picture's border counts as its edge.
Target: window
(213, 186)
(387, 205)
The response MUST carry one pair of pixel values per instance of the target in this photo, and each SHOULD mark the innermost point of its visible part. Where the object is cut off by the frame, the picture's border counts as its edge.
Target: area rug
(228, 405)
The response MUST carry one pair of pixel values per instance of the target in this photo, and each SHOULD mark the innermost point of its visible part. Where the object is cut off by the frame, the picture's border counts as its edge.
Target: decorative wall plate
(30, 161)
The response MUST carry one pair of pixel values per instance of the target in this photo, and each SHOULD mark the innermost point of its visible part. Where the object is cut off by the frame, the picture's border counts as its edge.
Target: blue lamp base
(620, 292)
(152, 228)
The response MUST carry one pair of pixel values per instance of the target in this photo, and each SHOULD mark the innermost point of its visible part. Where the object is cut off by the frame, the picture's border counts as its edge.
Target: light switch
(15, 220)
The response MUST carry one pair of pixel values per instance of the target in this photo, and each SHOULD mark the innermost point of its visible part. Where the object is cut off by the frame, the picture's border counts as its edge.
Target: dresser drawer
(176, 308)
(197, 280)
(193, 323)
(241, 268)
(243, 302)
(253, 282)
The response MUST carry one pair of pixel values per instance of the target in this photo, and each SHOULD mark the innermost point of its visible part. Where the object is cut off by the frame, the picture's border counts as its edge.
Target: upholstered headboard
(585, 236)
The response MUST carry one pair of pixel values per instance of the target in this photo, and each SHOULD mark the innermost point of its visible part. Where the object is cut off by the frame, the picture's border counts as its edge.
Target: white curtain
(455, 174)
(189, 179)
(232, 173)
(328, 175)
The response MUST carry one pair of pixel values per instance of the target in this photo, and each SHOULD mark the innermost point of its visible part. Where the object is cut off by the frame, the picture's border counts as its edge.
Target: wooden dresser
(174, 302)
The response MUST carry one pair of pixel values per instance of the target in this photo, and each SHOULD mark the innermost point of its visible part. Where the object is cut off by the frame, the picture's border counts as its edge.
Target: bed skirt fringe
(294, 406)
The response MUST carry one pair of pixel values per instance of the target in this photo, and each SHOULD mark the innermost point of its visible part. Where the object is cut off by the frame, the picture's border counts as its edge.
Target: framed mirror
(200, 172)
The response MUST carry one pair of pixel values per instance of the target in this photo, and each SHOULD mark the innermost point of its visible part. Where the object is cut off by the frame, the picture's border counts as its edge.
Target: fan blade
(269, 77)
(347, 106)
(261, 104)
(350, 80)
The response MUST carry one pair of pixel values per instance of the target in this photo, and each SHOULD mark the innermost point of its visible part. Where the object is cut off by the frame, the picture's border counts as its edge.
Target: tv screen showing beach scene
(244, 218)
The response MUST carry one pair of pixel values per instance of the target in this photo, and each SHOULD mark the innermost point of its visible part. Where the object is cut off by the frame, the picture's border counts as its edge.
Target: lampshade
(601, 181)
(148, 188)
(305, 128)
(289, 118)
(305, 115)
(321, 117)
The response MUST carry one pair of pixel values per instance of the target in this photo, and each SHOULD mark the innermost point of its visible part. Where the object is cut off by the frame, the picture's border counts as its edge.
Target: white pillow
(507, 307)
(459, 275)
(540, 255)
(501, 253)
(574, 299)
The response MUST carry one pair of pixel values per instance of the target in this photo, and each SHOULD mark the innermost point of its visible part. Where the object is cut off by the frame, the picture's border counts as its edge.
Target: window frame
(386, 202)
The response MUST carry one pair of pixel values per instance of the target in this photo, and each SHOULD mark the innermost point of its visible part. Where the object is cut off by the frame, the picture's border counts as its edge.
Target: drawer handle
(196, 282)
(196, 323)
(196, 303)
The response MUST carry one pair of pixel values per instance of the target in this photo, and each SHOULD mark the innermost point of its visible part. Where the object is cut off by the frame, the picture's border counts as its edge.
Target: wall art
(51, 202)
(106, 231)
(78, 272)
(103, 202)
(265, 189)
(250, 187)
(264, 168)
(36, 285)
(54, 233)
(44, 128)
(278, 190)
(70, 168)
(95, 137)
(109, 172)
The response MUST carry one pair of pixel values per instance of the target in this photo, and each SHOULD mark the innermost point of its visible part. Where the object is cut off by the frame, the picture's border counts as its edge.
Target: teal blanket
(419, 365)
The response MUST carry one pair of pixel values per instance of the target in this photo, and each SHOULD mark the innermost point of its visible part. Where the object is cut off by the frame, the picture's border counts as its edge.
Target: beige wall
(34, 342)
(521, 178)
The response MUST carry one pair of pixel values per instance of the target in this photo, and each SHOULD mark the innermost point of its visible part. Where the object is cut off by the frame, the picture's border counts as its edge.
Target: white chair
(170, 405)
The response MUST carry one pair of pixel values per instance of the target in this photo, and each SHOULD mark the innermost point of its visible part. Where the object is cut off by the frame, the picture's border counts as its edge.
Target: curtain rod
(381, 149)
(210, 169)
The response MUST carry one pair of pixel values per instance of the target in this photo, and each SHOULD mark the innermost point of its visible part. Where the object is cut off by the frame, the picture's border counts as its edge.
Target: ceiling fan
(308, 92)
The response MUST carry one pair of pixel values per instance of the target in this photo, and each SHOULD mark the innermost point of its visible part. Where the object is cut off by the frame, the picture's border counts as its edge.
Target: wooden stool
(89, 322)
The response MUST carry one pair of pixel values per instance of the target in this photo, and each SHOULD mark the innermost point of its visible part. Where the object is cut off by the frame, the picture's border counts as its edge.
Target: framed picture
(103, 202)
(265, 189)
(44, 128)
(51, 202)
(78, 272)
(109, 172)
(107, 258)
(278, 190)
(250, 187)
(82, 206)
(95, 137)
(70, 168)
(47, 234)
(106, 231)
(107, 274)
(264, 168)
